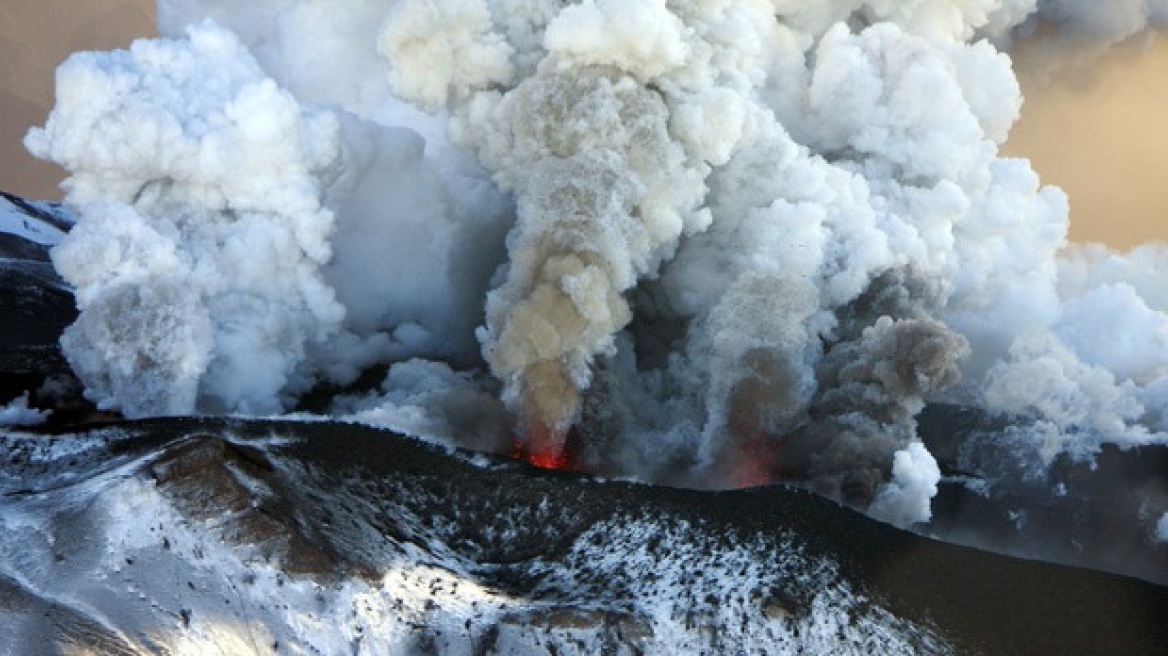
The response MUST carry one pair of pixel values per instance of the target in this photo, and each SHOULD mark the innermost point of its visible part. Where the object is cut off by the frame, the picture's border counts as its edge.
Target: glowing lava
(752, 462)
(542, 446)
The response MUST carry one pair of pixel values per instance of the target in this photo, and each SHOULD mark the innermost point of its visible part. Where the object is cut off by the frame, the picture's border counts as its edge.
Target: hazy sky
(1102, 136)
(35, 36)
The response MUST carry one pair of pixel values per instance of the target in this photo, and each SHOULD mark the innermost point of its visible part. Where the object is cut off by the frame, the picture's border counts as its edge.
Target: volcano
(188, 535)
(630, 327)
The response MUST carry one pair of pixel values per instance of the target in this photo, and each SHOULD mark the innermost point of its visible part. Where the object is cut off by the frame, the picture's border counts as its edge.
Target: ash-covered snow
(153, 557)
(35, 303)
(196, 536)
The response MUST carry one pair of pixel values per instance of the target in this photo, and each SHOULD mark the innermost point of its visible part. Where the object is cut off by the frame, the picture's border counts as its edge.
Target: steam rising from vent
(199, 286)
(708, 242)
(604, 195)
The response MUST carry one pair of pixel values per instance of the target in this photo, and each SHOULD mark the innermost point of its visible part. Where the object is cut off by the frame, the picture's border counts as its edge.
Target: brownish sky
(1103, 136)
(1103, 139)
(35, 36)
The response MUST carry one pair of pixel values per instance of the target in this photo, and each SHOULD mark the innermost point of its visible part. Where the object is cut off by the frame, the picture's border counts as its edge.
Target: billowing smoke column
(213, 202)
(604, 189)
(198, 264)
(708, 242)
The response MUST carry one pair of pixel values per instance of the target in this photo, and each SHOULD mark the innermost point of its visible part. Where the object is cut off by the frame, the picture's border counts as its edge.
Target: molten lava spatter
(543, 446)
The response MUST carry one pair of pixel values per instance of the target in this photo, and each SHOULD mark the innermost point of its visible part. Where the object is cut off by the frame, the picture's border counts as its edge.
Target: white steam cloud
(198, 262)
(712, 242)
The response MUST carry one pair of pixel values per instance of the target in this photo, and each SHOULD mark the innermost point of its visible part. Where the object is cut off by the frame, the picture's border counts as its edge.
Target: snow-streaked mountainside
(36, 221)
(231, 536)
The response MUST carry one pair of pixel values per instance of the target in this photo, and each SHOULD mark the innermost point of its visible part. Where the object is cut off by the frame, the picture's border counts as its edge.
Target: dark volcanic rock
(37, 308)
(185, 530)
(34, 301)
(1095, 513)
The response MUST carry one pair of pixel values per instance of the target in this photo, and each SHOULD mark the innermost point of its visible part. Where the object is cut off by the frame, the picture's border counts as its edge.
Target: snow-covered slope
(39, 222)
(214, 535)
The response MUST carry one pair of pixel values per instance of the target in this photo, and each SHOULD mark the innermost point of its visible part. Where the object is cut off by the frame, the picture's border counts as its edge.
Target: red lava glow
(548, 460)
(750, 461)
(542, 446)
(753, 463)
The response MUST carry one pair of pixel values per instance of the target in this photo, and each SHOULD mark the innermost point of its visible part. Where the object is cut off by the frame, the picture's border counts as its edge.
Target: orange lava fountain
(542, 446)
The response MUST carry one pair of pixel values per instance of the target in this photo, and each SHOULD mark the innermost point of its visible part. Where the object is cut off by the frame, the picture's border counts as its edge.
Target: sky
(35, 36)
(1102, 136)
(1099, 134)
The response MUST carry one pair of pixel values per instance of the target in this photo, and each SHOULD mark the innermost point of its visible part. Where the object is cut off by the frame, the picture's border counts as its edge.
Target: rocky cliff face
(34, 301)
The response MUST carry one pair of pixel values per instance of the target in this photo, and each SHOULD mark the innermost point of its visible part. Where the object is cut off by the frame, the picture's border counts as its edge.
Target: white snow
(16, 221)
(162, 578)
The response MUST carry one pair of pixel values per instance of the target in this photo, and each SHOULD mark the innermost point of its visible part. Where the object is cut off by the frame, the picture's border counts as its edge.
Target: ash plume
(199, 287)
(604, 189)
